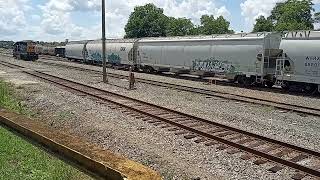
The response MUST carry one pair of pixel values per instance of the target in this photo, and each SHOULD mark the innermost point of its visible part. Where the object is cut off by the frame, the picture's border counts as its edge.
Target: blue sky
(56, 20)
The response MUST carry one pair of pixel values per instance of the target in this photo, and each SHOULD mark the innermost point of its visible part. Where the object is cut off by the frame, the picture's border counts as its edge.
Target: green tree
(263, 24)
(146, 21)
(293, 15)
(179, 27)
(210, 25)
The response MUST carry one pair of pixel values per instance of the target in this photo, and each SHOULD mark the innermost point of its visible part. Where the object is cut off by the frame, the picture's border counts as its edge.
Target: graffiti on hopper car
(96, 56)
(212, 65)
(114, 58)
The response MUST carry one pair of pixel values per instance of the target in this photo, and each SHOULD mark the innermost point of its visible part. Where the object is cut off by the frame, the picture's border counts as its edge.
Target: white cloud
(252, 9)
(57, 14)
(12, 16)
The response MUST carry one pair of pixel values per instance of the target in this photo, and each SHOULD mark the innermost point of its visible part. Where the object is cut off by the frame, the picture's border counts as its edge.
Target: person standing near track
(131, 79)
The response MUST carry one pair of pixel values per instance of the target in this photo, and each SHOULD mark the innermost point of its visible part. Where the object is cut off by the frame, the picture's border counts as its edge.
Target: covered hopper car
(299, 67)
(75, 50)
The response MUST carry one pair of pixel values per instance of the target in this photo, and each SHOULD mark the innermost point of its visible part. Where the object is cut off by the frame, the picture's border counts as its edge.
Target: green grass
(7, 99)
(21, 160)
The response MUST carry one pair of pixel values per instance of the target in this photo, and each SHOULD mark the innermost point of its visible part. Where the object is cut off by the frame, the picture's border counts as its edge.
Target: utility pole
(105, 80)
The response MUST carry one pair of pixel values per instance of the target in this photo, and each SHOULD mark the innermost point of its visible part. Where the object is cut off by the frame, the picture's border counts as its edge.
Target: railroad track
(261, 149)
(212, 93)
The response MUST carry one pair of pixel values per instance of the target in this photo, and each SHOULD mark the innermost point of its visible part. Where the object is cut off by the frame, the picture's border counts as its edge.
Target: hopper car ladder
(280, 68)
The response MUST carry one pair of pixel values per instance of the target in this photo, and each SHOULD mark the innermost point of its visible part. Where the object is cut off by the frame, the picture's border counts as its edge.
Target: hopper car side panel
(304, 57)
(117, 53)
(203, 56)
(74, 51)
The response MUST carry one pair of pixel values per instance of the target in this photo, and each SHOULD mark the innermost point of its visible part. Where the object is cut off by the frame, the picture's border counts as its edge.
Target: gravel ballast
(173, 156)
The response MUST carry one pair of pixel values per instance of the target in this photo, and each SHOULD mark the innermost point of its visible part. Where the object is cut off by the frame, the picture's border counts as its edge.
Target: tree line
(150, 21)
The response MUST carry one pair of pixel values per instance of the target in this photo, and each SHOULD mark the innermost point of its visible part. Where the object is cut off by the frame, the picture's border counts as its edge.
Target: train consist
(291, 60)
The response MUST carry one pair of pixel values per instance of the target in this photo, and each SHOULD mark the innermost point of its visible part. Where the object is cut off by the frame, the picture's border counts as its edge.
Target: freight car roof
(295, 35)
(115, 41)
(240, 36)
(79, 42)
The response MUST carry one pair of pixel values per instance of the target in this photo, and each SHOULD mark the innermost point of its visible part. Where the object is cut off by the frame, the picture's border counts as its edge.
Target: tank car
(25, 50)
(299, 67)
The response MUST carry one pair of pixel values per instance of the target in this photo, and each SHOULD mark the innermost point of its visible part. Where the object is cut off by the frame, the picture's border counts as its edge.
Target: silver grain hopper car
(119, 52)
(74, 50)
(299, 67)
(246, 58)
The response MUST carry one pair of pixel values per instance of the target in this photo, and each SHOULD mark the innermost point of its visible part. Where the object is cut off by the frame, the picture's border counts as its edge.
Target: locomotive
(25, 50)
(288, 59)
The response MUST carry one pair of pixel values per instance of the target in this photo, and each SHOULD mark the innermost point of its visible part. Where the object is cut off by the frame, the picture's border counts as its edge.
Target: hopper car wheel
(243, 81)
(309, 88)
(148, 69)
(269, 84)
(286, 86)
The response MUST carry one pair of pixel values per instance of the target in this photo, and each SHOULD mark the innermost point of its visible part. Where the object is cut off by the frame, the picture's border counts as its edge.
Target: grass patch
(8, 100)
(21, 160)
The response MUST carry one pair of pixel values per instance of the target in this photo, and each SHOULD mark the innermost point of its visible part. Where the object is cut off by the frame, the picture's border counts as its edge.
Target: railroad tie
(159, 123)
(211, 143)
(165, 126)
(299, 176)
(191, 136)
(237, 137)
(174, 129)
(222, 147)
(216, 130)
(200, 140)
(282, 153)
(233, 151)
(266, 150)
(181, 132)
(225, 134)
